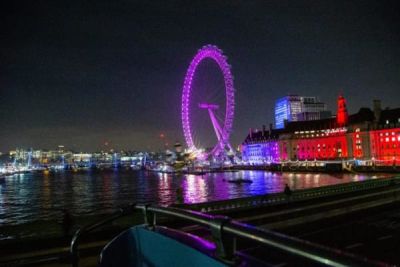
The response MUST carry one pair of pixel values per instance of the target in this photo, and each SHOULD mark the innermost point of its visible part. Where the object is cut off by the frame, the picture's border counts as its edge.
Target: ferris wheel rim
(216, 54)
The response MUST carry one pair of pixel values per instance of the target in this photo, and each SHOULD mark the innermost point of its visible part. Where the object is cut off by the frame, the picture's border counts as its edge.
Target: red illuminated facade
(385, 145)
(368, 137)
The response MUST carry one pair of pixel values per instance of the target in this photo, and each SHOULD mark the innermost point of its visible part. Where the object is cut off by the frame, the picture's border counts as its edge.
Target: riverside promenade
(297, 198)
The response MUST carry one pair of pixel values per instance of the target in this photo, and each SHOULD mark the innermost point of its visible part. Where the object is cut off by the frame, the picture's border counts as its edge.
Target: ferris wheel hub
(208, 106)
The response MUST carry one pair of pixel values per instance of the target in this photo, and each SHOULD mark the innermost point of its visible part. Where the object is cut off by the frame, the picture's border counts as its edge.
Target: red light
(342, 116)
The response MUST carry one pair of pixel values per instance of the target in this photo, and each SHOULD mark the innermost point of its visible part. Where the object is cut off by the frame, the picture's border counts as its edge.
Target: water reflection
(46, 193)
(3, 203)
(38, 196)
(194, 189)
(165, 192)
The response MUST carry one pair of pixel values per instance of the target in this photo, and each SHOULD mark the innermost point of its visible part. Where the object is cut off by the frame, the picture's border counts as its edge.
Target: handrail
(224, 230)
(301, 248)
(317, 253)
(74, 246)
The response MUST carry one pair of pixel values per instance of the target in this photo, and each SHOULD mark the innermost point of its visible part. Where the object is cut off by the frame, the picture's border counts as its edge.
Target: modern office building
(299, 108)
(286, 108)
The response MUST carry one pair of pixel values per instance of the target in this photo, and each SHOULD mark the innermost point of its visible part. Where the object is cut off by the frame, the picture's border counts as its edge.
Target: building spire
(342, 116)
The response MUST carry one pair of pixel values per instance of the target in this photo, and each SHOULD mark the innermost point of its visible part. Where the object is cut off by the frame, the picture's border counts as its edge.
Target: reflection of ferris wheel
(222, 130)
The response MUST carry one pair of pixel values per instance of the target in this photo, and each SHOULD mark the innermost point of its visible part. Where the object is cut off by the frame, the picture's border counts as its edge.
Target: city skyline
(86, 74)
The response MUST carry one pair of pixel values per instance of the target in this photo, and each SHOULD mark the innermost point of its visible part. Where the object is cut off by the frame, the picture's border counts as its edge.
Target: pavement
(373, 233)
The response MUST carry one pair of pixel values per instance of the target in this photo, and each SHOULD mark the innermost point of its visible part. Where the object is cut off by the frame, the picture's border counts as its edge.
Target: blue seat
(139, 246)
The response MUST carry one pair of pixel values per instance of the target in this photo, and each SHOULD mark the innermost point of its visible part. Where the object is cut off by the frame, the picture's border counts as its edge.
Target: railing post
(225, 243)
(149, 218)
(74, 256)
(74, 246)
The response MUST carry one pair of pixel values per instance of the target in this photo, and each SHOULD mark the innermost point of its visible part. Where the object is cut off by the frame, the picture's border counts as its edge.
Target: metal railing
(281, 198)
(74, 246)
(225, 231)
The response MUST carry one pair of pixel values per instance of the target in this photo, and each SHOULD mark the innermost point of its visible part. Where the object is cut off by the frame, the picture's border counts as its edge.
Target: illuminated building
(261, 147)
(385, 139)
(367, 137)
(286, 108)
(299, 108)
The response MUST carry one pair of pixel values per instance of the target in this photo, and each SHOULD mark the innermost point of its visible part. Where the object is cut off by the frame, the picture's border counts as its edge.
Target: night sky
(82, 73)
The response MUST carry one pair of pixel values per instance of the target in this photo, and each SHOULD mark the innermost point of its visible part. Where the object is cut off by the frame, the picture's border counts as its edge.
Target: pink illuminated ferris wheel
(222, 128)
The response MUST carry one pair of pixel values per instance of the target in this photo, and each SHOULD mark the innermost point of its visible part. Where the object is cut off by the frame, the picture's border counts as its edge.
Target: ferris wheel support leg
(218, 129)
(215, 124)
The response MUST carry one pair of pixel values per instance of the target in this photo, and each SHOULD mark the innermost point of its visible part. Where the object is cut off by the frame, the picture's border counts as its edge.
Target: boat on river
(240, 181)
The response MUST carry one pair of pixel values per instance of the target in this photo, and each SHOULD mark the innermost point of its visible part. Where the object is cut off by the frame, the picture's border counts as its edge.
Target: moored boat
(240, 181)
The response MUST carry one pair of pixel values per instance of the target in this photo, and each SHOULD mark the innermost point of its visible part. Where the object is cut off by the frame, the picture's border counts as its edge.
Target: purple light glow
(261, 153)
(213, 52)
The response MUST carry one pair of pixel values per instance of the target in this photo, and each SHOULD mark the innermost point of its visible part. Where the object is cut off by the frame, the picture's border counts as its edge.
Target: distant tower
(377, 109)
(178, 151)
(178, 147)
(342, 115)
(30, 159)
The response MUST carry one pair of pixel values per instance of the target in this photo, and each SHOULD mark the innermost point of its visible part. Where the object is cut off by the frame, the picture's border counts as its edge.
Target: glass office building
(299, 108)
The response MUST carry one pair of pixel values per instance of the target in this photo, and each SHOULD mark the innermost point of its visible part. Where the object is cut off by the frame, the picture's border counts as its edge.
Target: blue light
(260, 154)
(281, 112)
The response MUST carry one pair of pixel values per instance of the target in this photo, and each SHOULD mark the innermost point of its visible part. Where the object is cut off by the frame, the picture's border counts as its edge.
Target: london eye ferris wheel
(220, 110)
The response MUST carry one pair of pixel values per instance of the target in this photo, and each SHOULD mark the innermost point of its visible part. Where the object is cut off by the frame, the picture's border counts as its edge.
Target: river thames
(32, 197)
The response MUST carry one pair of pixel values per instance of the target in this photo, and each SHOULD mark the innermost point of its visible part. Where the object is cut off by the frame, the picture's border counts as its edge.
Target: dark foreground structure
(153, 245)
(172, 236)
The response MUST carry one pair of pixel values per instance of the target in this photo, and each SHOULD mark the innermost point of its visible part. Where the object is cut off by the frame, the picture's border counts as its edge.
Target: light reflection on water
(36, 196)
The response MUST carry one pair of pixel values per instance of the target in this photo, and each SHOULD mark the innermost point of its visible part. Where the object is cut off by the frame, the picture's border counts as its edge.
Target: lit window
(387, 121)
(387, 139)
